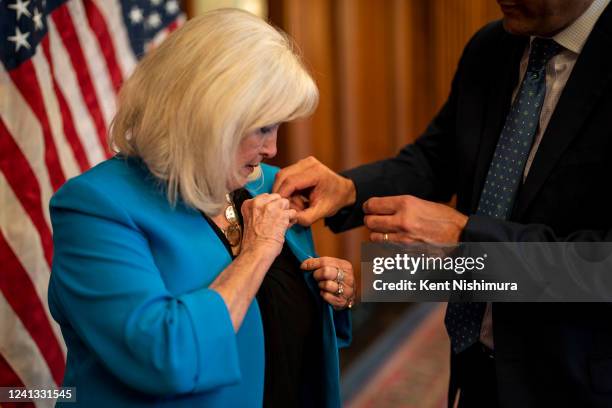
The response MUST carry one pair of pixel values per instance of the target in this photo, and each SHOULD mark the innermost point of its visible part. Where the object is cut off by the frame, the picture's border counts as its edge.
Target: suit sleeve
(107, 288)
(423, 169)
(480, 228)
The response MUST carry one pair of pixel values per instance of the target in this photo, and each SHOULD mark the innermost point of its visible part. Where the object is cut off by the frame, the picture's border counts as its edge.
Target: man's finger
(298, 202)
(287, 184)
(284, 173)
(380, 237)
(382, 205)
(309, 216)
(381, 223)
(398, 238)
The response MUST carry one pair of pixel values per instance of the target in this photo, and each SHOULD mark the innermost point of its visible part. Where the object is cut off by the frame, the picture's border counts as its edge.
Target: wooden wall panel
(311, 26)
(452, 24)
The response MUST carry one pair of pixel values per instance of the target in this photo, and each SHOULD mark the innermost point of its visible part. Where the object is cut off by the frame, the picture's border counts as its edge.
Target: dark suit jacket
(555, 354)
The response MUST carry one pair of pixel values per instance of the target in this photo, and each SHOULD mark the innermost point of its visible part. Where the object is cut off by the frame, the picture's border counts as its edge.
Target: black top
(292, 329)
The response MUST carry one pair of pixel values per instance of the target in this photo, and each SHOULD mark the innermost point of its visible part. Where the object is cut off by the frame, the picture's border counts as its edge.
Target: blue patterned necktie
(504, 176)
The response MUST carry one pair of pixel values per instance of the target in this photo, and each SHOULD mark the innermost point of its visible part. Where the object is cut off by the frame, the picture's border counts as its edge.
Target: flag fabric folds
(63, 63)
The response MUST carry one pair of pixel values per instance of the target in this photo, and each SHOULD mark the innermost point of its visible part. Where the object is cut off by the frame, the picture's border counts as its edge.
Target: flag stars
(154, 20)
(172, 7)
(156, 2)
(20, 39)
(21, 8)
(136, 16)
(38, 23)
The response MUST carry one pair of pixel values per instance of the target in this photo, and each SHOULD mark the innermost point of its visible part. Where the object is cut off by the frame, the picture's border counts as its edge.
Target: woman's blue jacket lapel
(336, 325)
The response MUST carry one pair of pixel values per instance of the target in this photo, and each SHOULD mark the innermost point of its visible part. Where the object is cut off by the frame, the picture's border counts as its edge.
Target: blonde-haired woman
(178, 280)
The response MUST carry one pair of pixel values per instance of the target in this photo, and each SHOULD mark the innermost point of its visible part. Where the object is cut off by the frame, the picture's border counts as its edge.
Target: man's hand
(314, 190)
(407, 219)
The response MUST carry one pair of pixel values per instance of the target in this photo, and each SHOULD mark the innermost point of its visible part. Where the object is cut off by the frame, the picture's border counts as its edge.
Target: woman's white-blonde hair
(192, 99)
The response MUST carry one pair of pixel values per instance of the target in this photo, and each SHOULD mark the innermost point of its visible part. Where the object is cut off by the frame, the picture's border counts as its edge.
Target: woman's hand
(266, 219)
(336, 280)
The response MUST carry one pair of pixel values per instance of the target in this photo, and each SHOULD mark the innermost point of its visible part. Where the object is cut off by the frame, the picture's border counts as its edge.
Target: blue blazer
(129, 287)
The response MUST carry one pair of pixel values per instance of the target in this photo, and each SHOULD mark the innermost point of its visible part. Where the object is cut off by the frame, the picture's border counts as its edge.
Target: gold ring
(385, 237)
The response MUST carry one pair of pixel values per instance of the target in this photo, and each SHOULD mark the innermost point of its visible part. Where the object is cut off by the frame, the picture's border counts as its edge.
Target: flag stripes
(63, 63)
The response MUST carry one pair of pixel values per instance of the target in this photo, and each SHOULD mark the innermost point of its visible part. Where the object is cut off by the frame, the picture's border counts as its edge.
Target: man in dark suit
(525, 142)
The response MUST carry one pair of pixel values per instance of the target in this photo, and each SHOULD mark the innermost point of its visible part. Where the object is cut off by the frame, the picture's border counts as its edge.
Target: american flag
(63, 63)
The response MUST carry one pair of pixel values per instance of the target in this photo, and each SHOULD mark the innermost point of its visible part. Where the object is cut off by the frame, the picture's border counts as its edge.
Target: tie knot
(542, 50)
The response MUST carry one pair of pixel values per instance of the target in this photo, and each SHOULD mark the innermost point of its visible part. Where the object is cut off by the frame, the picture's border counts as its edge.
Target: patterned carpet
(416, 374)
